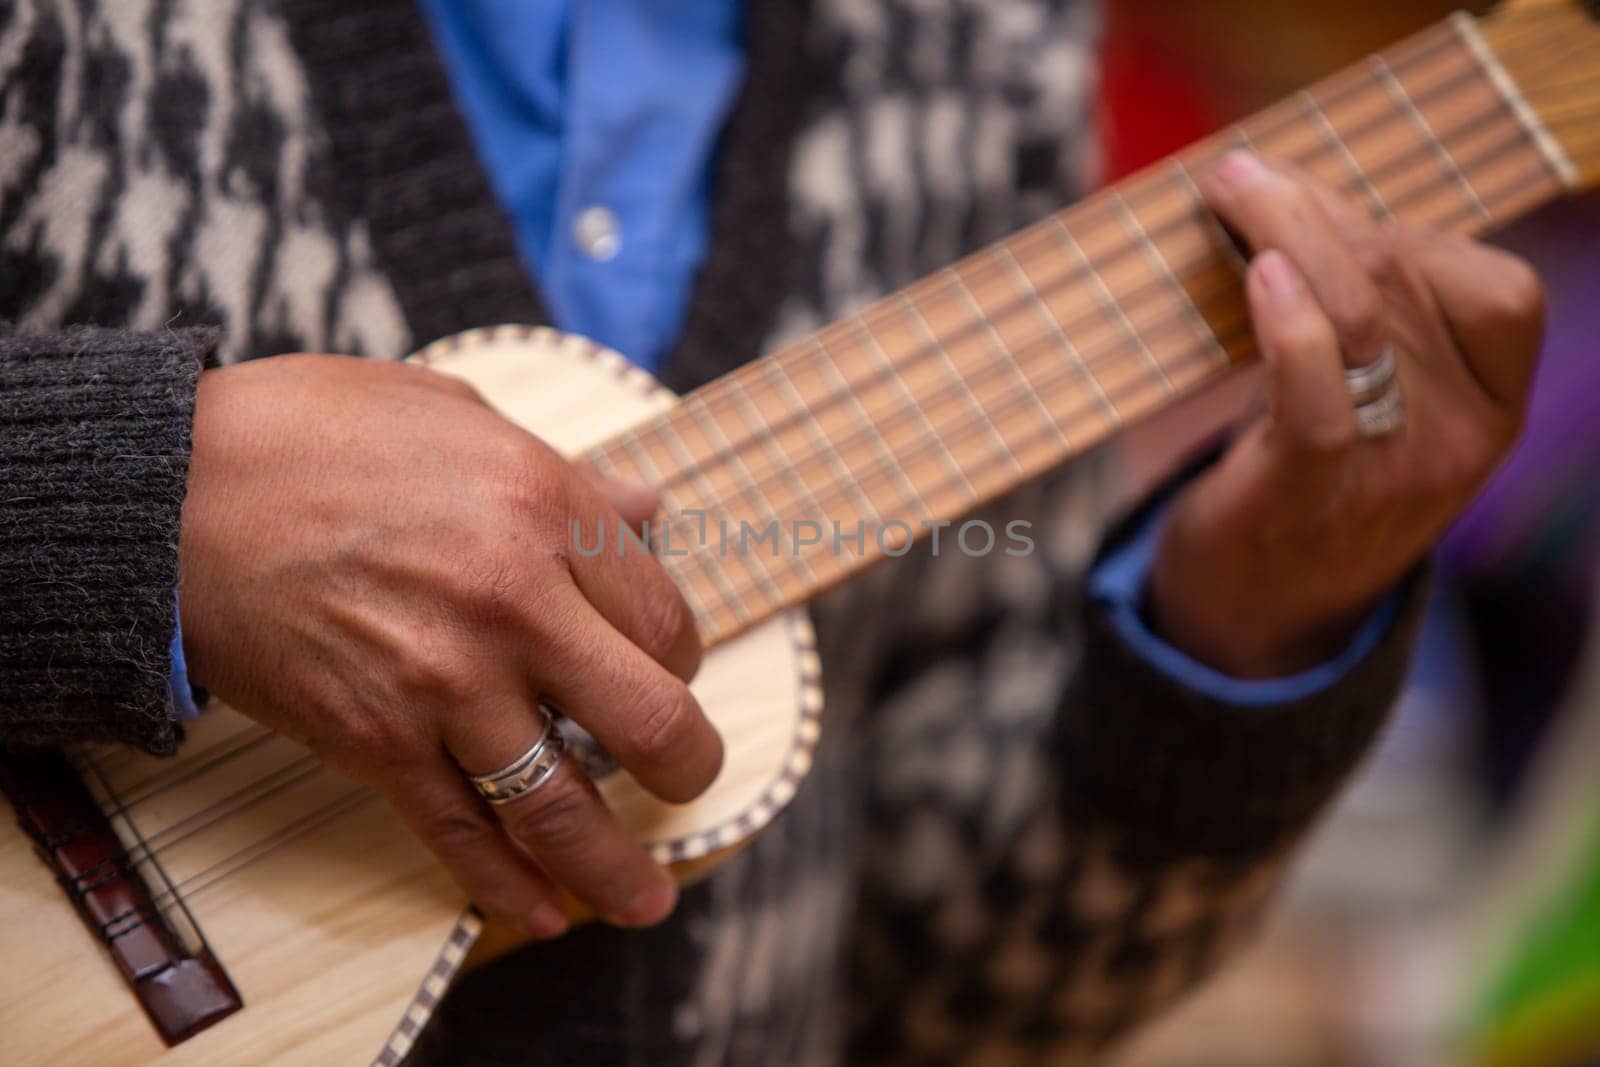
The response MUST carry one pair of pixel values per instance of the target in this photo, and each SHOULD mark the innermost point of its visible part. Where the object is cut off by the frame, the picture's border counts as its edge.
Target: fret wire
(953, 375)
(897, 383)
(776, 455)
(1183, 176)
(708, 421)
(1191, 353)
(781, 380)
(821, 442)
(692, 594)
(1227, 244)
(1221, 238)
(1197, 348)
(997, 346)
(1402, 98)
(1331, 137)
(1152, 287)
(1052, 325)
(172, 899)
(1418, 49)
(1467, 29)
(1159, 264)
(830, 368)
(1108, 301)
(670, 438)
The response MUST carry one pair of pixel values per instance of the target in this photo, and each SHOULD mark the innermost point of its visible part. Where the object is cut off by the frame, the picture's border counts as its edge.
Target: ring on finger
(1369, 383)
(529, 771)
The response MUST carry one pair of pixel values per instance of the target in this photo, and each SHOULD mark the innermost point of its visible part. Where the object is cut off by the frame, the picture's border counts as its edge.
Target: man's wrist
(1241, 626)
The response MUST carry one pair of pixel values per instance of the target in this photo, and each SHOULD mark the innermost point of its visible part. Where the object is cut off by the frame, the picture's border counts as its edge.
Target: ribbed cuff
(1183, 773)
(95, 431)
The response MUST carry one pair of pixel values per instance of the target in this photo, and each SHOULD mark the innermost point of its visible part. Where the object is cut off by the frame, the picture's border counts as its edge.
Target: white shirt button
(597, 233)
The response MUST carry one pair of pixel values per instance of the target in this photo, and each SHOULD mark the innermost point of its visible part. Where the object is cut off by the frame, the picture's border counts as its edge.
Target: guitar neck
(801, 468)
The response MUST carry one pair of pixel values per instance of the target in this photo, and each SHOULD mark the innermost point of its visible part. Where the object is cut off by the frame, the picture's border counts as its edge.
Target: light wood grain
(329, 935)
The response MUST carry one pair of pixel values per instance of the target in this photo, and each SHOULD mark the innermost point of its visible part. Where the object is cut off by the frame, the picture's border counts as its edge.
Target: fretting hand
(1270, 560)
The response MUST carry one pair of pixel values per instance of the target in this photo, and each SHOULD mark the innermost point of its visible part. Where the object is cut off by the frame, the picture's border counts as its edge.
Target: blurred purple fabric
(1544, 499)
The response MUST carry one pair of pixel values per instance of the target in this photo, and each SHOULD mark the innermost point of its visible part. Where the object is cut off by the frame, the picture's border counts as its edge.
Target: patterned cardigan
(1018, 840)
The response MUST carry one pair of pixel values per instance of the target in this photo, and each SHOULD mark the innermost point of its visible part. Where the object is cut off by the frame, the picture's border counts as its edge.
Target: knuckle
(1516, 297)
(1358, 318)
(1302, 337)
(449, 383)
(534, 482)
(557, 817)
(663, 724)
(664, 619)
(435, 673)
(456, 832)
(1383, 256)
(1464, 460)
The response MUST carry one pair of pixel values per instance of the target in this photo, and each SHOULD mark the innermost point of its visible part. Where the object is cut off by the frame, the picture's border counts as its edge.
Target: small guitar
(245, 904)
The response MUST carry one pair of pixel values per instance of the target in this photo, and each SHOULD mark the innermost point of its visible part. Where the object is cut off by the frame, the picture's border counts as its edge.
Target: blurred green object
(1539, 1004)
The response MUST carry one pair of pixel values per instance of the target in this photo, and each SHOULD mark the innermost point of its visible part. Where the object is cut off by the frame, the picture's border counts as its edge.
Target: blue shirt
(597, 122)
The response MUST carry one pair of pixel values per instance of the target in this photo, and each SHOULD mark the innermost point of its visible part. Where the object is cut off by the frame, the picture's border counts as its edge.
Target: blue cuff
(1118, 581)
(178, 680)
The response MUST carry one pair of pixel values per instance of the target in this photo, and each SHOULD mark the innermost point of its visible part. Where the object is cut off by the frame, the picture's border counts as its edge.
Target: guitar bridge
(178, 982)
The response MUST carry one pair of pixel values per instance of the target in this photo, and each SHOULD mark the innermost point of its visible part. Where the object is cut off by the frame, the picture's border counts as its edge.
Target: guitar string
(1072, 418)
(188, 881)
(191, 886)
(1427, 146)
(89, 770)
(757, 492)
(743, 438)
(1405, 58)
(254, 792)
(157, 784)
(1159, 286)
(1082, 369)
(1294, 117)
(1089, 407)
(301, 770)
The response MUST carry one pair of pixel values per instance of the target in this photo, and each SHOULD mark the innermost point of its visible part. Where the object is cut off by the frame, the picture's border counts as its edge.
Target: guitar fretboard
(804, 466)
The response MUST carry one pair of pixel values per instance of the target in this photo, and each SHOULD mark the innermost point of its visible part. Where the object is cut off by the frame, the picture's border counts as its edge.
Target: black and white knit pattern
(160, 166)
(1017, 840)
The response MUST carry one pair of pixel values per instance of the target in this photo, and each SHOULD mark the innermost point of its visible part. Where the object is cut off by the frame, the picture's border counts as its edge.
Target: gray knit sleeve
(94, 455)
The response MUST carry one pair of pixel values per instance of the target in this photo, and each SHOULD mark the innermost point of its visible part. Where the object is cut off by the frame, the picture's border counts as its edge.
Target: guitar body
(339, 932)
(337, 927)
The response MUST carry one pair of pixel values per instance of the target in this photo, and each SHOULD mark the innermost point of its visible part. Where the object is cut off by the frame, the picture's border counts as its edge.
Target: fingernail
(651, 906)
(637, 486)
(546, 920)
(1278, 276)
(1240, 167)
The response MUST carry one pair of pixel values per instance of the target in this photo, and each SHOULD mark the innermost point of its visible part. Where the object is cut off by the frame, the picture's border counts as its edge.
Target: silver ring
(1383, 415)
(528, 771)
(1370, 383)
